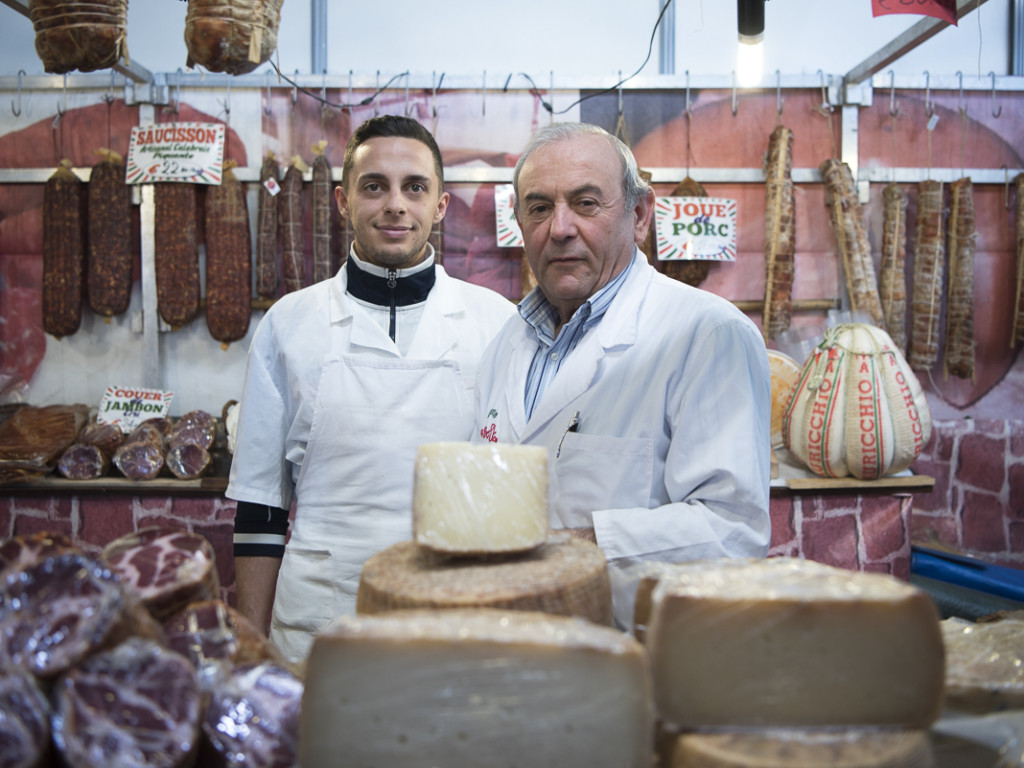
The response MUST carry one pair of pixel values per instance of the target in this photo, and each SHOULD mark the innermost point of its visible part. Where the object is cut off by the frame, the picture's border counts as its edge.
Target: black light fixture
(750, 22)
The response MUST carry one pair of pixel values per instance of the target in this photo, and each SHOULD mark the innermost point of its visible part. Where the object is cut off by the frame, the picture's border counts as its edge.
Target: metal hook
(929, 109)
(894, 108)
(778, 91)
(620, 91)
(349, 102)
(687, 103)
(109, 97)
(295, 89)
(483, 99)
(994, 112)
(266, 109)
(433, 92)
(960, 99)
(325, 110)
(734, 107)
(17, 112)
(227, 104)
(825, 106)
(407, 76)
(61, 112)
(1006, 193)
(376, 110)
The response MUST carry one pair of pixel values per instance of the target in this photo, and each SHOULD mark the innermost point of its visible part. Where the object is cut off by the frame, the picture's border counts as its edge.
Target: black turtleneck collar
(407, 289)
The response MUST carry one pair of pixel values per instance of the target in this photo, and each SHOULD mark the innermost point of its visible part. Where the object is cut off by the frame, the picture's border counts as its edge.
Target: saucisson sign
(187, 152)
(695, 228)
(127, 407)
(939, 9)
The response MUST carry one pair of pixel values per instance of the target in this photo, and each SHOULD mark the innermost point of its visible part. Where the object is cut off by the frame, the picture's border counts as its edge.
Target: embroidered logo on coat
(490, 433)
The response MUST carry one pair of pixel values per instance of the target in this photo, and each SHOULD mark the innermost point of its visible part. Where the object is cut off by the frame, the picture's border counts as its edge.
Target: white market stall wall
(478, 50)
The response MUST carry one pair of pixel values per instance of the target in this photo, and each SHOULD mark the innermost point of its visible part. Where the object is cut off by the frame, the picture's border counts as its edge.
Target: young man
(653, 397)
(345, 379)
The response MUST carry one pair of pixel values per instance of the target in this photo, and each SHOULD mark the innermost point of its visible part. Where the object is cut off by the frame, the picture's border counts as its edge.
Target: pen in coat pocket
(574, 426)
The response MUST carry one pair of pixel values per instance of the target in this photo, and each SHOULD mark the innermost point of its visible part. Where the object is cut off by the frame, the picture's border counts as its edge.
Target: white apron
(354, 490)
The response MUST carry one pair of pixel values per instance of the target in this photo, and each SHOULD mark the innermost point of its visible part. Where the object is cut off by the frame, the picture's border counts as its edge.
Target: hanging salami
(780, 233)
(293, 256)
(228, 260)
(926, 298)
(892, 278)
(959, 352)
(176, 252)
(847, 218)
(109, 262)
(323, 267)
(63, 252)
(267, 229)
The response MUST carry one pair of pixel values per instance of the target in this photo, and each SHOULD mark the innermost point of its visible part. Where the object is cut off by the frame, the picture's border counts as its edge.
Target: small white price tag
(932, 122)
(272, 186)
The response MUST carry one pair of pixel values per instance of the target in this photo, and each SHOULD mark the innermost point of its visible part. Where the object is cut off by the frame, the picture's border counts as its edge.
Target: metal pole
(318, 26)
(667, 39)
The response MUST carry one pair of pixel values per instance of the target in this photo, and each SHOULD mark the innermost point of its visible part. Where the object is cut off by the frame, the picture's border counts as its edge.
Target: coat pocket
(306, 597)
(598, 472)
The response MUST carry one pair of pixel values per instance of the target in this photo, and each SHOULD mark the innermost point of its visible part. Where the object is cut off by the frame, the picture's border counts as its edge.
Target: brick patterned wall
(94, 521)
(977, 504)
(862, 533)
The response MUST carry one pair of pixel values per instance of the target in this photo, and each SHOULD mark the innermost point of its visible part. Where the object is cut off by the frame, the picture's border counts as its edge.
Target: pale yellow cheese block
(787, 642)
(843, 748)
(480, 499)
(475, 688)
(984, 665)
(565, 576)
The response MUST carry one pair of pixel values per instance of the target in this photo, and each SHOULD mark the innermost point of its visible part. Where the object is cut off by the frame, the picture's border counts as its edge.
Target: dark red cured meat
(134, 705)
(24, 721)
(83, 462)
(141, 456)
(167, 567)
(22, 552)
(188, 461)
(253, 717)
(215, 637)
(196, 427)
(59, 611)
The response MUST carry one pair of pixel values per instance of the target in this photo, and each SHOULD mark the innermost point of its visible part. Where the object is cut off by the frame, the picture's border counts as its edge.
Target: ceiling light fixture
(750, 21)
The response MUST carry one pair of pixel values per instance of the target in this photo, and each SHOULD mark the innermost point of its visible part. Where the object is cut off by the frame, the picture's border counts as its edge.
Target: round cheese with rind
(565, 576)
(475, 688)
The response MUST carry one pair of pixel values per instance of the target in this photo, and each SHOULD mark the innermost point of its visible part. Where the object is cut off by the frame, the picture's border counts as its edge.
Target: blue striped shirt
(551, 352)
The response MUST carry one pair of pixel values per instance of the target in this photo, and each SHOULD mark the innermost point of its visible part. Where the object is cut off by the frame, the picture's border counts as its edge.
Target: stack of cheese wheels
(477, 688)
(481, 539)
(791, 657)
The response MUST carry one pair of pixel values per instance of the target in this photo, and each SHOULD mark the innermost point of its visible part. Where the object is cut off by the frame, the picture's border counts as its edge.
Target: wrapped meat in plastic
(215, 638)
(33, 439)
(133, 705)
(63, 609)
(90, 455)
(253, 718)
(141, 456)
(24, 721)
(196, 427)
(188, 461)
(167, 567)
(21, 552)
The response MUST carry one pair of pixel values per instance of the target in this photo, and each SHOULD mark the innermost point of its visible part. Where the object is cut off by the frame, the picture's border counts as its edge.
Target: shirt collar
(370, 283)
(541, 314)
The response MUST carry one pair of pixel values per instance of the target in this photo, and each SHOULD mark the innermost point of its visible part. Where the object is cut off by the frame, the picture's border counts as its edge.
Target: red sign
(939, 9)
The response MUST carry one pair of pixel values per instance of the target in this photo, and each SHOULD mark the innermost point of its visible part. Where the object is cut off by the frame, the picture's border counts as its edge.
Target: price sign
(508, 232)
(127, 407)
(695, 228)
(187, 152)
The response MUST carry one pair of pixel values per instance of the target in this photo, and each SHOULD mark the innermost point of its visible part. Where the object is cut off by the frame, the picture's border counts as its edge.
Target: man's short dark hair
(396, 126)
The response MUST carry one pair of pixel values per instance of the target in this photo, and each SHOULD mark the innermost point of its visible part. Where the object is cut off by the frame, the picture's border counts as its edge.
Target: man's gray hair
(633, 185)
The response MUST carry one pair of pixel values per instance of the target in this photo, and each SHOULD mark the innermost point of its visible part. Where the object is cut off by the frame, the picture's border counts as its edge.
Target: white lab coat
(331, 409)
(672, 457)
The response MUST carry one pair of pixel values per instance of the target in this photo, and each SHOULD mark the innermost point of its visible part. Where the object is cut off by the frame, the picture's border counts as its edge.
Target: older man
(653, 397)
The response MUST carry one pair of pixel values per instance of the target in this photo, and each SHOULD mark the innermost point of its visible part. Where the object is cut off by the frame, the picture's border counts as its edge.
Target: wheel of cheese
(791, 643)
(785, 371)
(565, 576)
(984, 665)
(475, 688)
(853, 748)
